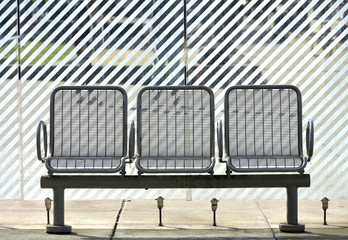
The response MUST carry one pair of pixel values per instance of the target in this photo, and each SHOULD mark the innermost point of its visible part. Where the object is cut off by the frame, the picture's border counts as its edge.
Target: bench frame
(289, 181)
(164, 181)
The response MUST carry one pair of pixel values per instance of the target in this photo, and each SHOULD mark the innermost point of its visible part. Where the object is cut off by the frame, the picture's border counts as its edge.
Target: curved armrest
(310, 139)
(42, 125)
(219, 138)
(131, 140)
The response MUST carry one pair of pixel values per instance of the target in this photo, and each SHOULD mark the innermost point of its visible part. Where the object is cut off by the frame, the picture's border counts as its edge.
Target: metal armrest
(42, 125)
(131, 141)
(219, 139)
(310, 139)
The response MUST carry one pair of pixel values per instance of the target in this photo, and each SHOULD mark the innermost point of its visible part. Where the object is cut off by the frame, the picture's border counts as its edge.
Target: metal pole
(325, 223)
(185, 44)
(58, 206)
(214, 218)
(58, 213)
(292, 219)
(19, 108)
(160, 217)
(48, 217)
(292, 210)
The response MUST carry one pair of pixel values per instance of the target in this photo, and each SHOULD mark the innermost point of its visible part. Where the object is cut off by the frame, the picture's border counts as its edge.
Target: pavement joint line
(263, 213)
(112, 235)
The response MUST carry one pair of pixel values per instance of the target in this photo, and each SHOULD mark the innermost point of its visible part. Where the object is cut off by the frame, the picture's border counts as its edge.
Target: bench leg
(292, 224)
(58, 213)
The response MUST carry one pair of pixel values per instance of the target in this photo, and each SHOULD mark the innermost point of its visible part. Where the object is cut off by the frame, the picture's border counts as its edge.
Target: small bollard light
(160, 206)
(325, 206)
(214, 204)
(48, 204)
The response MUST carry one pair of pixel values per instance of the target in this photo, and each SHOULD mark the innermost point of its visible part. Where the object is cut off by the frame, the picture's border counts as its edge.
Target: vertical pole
(214, 218)
(19, 109)
(292, 207)
(58, 213)
(185, 44)
(58, 206)
(160, 217)
(18, 40)
(48, 217)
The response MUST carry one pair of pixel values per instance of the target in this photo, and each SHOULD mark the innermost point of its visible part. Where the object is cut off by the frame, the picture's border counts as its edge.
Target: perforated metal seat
(88, 127)
(263, 129)
(175, 130)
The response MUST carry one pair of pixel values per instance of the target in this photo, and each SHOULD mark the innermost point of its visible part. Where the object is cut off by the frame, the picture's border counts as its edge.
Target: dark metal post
(292, 211)
(325, 223)
(58, 206)
(214, 205)
(214, 219)
(48, 217)
(160, 206)
(48, 202)
(58, 213)
(292, 205)
(160, 218)
(325, 206)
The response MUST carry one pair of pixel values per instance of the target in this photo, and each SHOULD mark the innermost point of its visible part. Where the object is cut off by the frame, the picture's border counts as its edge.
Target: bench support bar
(58, 213)
(292, 209)
(291, 182)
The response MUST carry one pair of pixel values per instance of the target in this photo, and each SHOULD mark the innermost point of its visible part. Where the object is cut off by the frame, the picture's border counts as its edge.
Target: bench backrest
(88, 121)
(264, 122)
(175, 124)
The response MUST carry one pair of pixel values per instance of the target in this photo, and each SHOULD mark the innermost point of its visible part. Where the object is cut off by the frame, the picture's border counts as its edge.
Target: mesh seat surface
(88, 129)
(263, 128)
(175, 129)
(85, 163)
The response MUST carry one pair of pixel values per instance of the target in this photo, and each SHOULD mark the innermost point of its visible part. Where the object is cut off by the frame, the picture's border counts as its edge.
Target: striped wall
(45, 44)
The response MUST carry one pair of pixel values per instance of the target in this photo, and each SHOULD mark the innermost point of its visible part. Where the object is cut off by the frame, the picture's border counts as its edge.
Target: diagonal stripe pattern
(46, 44)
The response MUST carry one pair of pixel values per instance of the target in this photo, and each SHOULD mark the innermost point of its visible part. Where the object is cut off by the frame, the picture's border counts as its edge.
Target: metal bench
(88, 130)
(175, 136)
(175, 130)
(263, 129)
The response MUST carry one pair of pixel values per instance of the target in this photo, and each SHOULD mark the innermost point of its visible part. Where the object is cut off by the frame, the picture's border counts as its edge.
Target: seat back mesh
(88, 122)
(263, 126)
(176, 127)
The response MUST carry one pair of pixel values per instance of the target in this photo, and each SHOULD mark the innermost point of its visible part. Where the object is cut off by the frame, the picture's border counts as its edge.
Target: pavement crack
(263, 213)
(117, 219)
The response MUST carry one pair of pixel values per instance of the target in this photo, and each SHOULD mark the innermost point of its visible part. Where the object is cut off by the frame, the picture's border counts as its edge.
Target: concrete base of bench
(58, 229)
(291, 228)
(290, 181)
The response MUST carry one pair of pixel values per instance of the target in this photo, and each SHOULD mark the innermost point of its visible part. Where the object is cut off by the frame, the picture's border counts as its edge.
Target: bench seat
(85, 164)
(175, 126)
(263, 130)
(88, 130)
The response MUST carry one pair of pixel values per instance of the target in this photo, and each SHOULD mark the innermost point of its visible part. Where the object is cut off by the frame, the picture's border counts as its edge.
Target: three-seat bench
(175, 128)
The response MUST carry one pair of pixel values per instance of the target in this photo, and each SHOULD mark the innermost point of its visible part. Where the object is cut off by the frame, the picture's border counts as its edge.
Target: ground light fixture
(48, 204)
(214, 205)
(325, 206)
(160, 206)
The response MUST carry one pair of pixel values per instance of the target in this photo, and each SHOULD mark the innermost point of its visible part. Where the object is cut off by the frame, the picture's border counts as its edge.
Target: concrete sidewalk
(138, 219)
